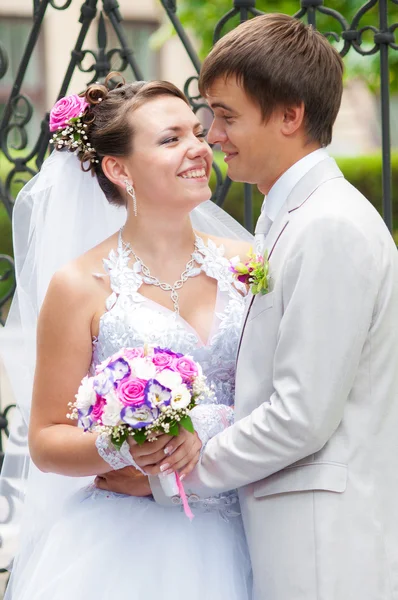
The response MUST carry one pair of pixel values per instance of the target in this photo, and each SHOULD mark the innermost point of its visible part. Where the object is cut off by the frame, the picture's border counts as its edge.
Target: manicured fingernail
(167, 450)
(182, 477)
(164, 467)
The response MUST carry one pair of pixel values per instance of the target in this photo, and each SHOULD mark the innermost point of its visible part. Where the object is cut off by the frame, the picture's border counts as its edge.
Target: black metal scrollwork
(352, 34)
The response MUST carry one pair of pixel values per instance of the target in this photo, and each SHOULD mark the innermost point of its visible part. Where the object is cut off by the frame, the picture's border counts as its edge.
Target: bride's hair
(109, 130)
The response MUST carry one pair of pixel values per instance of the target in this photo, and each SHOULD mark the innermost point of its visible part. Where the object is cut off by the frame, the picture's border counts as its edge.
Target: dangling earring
(131, 192)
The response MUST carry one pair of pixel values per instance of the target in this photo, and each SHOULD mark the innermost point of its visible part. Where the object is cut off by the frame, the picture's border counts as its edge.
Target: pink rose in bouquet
(130, 353)
(98, 409)
(187, 368)
(131, 391)
(163, 360)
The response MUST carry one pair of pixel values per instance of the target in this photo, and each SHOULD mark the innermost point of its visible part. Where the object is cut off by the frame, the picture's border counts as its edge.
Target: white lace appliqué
(210, 419)
(117, 459)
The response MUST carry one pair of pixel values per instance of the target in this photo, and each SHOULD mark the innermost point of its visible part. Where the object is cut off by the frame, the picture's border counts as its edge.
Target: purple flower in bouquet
(104, 382)
(167, 351)
(85, 419)
(120, 368)
(156, 394)
(131, 392)
(138, 417)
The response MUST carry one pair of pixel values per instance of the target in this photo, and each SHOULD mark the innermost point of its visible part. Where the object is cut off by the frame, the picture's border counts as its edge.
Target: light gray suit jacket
(314, 450)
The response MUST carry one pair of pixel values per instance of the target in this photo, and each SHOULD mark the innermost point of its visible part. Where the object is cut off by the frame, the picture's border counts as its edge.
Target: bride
(157, 280)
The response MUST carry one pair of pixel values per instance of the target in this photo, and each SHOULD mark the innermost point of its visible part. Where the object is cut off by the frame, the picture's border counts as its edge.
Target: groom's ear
(115, 170)
(292, 119)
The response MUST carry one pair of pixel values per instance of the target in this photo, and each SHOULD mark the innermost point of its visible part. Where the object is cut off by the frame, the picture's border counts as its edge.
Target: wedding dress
(104, 545)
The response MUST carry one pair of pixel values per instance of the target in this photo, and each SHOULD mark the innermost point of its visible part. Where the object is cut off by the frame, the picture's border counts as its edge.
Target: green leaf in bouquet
(140, 436)
(186, 422)
(174, 429)
(119, 440)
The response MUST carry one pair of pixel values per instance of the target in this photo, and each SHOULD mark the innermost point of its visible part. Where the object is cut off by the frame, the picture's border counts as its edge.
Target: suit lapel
(323, 171)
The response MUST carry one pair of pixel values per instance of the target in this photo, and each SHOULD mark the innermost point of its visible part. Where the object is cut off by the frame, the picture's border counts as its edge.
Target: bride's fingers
(188, 448)
(190, 466)
(180, 457)
(159, 456)
(149, 460)
(148, 448)
(186, 462)
(162, 466)
(183, 437)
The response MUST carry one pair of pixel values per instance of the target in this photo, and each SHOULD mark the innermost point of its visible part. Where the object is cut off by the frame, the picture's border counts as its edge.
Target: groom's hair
(280, 61)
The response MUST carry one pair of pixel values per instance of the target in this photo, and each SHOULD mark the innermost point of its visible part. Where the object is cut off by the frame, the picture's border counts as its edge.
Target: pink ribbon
(184, 498)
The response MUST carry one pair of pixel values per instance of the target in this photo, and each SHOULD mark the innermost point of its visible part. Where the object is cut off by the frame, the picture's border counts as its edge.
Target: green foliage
(201, 16)
(5, 232)
(5, 248)
(139, 436)
(119, 440)
(174, 428)
(364, 172)
(186, 422)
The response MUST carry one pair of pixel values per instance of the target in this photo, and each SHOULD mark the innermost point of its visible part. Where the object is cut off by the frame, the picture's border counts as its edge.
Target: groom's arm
(329, 293)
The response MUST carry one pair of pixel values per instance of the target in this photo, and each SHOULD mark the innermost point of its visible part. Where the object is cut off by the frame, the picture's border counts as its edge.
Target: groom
(314, 450)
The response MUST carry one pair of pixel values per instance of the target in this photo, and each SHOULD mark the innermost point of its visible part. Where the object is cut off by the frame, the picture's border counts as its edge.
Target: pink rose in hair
(65, 109)
(131, 392)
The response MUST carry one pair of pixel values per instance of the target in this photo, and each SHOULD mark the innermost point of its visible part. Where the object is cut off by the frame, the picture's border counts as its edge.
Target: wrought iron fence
(18, 110)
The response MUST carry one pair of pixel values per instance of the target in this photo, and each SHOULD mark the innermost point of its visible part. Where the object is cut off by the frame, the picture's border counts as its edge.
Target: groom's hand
(124, 481)
(168, 454)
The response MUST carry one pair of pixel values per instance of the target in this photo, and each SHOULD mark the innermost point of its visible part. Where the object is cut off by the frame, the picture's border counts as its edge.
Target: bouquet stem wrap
(172, 486)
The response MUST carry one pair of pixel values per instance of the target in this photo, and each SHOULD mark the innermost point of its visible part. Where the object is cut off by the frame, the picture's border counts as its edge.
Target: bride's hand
(182, 454)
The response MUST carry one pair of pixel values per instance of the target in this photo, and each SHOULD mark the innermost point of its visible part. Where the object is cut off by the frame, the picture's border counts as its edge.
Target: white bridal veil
(60, 214)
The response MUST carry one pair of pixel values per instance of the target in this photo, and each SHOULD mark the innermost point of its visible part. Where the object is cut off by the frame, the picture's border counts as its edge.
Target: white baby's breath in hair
(74, 137)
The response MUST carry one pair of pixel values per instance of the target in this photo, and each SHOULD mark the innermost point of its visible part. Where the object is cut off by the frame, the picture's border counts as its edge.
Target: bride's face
(171, 160)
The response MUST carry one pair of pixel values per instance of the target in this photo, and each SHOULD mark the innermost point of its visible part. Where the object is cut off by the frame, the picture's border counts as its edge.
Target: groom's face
(252, 147)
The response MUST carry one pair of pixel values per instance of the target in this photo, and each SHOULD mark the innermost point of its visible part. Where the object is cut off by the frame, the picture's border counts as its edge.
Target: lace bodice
(131, 320)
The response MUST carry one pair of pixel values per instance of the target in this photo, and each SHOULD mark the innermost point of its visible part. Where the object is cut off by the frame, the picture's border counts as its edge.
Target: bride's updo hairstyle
(109, 129)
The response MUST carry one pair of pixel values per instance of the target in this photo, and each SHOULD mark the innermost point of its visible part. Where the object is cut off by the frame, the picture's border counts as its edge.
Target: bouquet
(141, 392)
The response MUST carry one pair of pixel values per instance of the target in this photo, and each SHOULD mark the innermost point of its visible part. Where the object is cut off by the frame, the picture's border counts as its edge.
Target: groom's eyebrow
(221, 105)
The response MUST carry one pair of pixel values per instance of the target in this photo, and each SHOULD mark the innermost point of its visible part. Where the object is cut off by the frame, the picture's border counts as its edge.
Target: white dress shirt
(280, 191)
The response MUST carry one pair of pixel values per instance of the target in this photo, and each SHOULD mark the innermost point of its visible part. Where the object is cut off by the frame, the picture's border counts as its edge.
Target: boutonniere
(253, 273)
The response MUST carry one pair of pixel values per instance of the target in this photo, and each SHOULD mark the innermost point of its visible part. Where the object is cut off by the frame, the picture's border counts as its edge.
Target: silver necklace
(166, 287)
